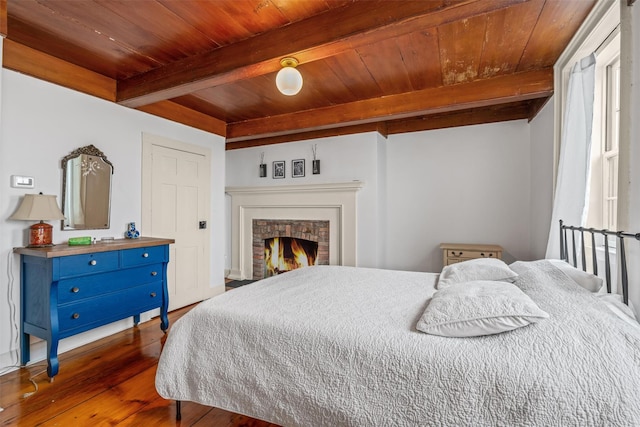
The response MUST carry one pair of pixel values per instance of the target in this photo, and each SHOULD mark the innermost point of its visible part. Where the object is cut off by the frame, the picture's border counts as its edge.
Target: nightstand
(458, 252)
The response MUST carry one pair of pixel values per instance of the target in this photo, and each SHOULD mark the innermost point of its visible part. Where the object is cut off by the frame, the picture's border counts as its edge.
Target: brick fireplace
(333, 203)
(312, 230)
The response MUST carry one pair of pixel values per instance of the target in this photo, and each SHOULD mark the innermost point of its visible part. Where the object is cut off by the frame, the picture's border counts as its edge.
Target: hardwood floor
(108, 382)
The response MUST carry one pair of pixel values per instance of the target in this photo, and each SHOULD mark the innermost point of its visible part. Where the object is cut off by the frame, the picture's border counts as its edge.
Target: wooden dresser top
(101, 246)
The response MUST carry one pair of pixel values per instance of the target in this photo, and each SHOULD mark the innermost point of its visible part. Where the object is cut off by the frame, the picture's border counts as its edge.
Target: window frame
(611, 144)
(605, 131)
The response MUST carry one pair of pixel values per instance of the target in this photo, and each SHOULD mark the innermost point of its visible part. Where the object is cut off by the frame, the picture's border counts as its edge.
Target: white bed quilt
(337, 346)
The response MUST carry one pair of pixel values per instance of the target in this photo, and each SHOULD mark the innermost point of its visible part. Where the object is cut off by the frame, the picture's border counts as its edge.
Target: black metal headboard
(621, 235)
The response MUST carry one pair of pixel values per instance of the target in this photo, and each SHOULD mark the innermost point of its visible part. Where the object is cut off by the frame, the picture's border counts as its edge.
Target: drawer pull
(153, 294)
(482, 254)
(145, 255)
(93, 262)
(454, 253)
(75, 315)
(154, 273)
(75, 290)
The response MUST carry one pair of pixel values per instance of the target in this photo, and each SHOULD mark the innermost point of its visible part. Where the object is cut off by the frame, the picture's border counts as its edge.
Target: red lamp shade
(39, 207)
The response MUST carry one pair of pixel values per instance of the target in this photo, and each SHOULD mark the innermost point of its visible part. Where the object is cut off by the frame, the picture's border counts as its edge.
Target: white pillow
(476, 269)
(478, 308)
(589, 281)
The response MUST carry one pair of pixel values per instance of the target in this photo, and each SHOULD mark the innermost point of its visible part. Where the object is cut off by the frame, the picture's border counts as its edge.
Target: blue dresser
(67, 290)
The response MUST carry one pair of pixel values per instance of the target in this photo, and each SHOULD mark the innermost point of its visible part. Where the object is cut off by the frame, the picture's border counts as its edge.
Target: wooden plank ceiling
(390, 65)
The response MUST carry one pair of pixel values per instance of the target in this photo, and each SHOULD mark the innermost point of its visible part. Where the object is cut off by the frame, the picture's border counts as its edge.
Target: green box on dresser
(66, 290)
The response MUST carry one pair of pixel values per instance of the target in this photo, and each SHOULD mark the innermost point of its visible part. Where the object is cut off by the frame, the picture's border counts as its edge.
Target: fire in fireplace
(311, 235)
(282, 254)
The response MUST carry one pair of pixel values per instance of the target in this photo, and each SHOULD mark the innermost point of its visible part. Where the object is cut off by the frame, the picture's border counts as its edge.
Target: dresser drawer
(103, 309)
(141, 256)
(76, 265)
(78, 288)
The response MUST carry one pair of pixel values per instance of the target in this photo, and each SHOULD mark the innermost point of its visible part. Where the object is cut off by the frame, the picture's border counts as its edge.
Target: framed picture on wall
(297, 166)
(278, 169)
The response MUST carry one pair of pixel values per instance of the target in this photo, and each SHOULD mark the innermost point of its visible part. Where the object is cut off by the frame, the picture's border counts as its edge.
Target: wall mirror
(86, 189)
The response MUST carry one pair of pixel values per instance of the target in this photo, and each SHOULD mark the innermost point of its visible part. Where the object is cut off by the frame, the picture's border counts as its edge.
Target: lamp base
(40, 235)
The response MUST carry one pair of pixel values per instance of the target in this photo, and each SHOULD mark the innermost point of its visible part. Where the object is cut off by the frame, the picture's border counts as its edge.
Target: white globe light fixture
(288, 79)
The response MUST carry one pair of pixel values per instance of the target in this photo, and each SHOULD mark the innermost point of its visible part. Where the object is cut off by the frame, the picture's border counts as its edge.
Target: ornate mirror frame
(104, 201)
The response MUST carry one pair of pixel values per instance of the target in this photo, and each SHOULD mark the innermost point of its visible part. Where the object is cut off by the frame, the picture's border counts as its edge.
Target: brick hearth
(332, 202)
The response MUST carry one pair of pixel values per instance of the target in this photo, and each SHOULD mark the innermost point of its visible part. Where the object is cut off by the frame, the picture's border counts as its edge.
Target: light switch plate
(19, 181)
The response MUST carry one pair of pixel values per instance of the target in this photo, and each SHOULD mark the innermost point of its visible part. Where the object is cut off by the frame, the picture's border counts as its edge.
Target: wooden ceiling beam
(480, 93)
(312, 39)
(3, 18)
(303, 136)
(23, 59)
(474, 116)
(181, 114)
(536, 107)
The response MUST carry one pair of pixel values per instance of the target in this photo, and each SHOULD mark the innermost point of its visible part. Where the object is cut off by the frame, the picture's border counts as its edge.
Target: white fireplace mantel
(333, 202)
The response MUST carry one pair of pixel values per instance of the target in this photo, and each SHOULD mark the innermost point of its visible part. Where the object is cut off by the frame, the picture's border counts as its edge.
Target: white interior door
(175, 203)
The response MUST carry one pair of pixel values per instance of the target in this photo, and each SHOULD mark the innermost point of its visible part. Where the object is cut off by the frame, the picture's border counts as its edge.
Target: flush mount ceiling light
(289, 80)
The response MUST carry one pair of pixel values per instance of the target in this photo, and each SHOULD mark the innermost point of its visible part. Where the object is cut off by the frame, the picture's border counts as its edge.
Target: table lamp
(39, 207)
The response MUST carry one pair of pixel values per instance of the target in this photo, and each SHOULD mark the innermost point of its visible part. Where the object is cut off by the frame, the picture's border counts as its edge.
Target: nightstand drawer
(141, 256)
(78, 288)
(76, 317)
(76, 265)
(458, 252)
(466, 254)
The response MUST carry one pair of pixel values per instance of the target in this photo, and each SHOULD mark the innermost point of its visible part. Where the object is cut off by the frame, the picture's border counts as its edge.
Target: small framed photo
(278, 169)
(297, 166)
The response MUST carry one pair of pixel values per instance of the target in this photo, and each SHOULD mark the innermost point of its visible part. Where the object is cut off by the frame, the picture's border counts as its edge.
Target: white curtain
(572, 184)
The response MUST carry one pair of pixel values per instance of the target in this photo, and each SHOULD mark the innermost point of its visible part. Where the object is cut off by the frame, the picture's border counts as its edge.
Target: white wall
(541, 179)
(382, 207)
(42, 123)
(469, 184)
(342, 159)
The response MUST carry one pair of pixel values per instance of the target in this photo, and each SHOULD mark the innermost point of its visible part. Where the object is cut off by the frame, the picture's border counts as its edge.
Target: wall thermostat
(19, 181)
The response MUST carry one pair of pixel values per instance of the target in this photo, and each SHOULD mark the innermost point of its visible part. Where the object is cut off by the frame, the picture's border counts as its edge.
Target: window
(603, 198)
(599, 34)
(610, 152)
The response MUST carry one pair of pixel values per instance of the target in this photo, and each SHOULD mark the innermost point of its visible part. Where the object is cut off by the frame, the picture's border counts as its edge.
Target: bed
(345, 346)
